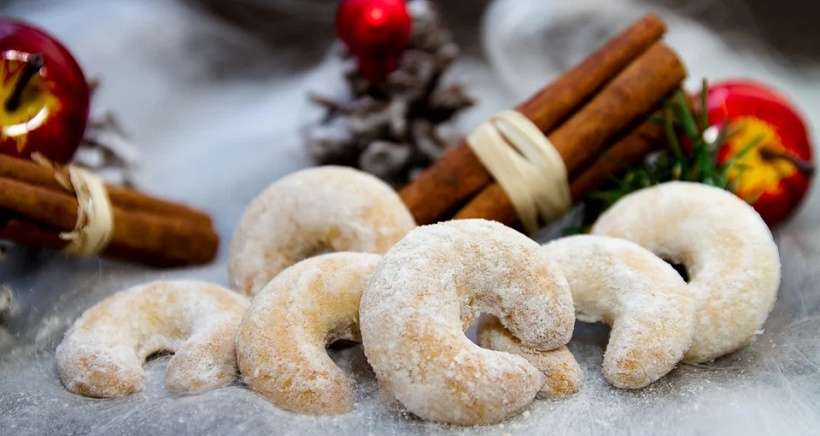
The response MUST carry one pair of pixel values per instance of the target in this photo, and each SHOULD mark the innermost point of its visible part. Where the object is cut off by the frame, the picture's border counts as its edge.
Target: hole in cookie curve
(158, 354)
(341, 344)
(472, 331)
(317, 249)
(342, 337)
(680, 268)
(353, 363)
(595, 333)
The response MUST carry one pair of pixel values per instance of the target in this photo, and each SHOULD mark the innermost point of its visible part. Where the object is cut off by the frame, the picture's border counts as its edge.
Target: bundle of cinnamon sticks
(35, 209)
(596, 115)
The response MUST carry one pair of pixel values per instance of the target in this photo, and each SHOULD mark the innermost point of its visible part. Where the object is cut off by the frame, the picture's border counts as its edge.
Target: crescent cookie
(281, 342)
(643, 299)
(103, 352)
(728, 251)
(310, 212)
(562, 374)
(427, 290)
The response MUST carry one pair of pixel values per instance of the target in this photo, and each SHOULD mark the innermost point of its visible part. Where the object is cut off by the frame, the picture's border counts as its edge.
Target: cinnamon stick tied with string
(459, 175)
(630, 96)
(626, 152)
(35, 209)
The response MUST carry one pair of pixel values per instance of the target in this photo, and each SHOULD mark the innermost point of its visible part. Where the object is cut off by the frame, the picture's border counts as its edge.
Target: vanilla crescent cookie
(728, 251)
(427, 290)
(643, 299)
(562, 374)
(281, 342)
(310, 212)
(103, 352)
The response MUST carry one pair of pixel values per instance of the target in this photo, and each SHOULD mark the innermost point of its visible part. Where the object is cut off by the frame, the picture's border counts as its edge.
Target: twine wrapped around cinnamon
(594, 104)
(36, 208)
(526, 165)
(95, 221)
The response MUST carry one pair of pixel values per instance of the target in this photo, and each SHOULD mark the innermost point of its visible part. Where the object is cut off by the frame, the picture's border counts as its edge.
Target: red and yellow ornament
(776, 165)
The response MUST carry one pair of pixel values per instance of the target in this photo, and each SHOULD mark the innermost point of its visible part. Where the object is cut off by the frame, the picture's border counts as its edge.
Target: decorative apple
(44, 96)
(776, 166)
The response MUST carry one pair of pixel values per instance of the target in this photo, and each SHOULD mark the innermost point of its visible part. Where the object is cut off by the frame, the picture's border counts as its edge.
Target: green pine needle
(696, 163)
(704, 114)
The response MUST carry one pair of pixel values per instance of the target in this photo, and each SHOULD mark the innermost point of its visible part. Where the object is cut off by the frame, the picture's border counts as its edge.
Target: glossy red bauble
(44, 97)
(375, 32)
(773, 174)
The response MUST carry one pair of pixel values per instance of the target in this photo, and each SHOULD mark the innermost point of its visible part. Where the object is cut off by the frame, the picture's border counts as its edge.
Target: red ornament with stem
(375, 32)
(769, 142)
(44, 97)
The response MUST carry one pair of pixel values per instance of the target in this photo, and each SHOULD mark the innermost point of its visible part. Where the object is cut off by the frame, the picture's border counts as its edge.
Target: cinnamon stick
(459, 174)
(552, 104)
(624, 154)
(144, 237)
(31, 234)
(632, 94)
(583, 137)
(28, 171)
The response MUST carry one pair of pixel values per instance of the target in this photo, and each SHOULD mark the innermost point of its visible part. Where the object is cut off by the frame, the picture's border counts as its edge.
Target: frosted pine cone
(391, 129)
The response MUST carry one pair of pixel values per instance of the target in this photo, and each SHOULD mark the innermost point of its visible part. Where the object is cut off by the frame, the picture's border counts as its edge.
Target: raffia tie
(526, 165)
(95, 217)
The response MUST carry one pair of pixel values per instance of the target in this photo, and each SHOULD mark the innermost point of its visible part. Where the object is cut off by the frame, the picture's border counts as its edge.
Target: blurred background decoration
(715, 38)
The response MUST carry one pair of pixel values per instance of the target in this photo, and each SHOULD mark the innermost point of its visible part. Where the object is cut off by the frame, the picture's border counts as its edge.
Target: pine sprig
(691, 154)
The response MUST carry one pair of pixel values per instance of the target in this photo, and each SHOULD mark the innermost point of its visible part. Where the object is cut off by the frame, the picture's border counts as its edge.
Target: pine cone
(6, 302)
(384, 159)
(390, 129)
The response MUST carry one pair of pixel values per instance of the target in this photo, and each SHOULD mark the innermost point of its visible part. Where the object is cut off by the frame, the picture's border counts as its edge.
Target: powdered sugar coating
(310, 212)
(728, 251)
(424, 293)
(282, 339)
(643, 299)
(103, 352)
(562, 374)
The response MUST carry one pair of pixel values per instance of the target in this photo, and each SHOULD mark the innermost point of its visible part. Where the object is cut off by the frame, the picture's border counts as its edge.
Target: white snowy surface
(216, 138)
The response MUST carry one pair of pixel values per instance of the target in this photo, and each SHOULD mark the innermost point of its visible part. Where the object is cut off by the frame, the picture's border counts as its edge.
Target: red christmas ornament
(44, 96)
(375, 32)
(773, 176)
